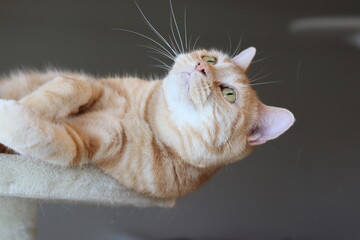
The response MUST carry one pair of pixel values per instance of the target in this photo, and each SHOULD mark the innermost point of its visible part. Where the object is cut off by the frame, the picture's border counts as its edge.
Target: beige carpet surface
(31, 178)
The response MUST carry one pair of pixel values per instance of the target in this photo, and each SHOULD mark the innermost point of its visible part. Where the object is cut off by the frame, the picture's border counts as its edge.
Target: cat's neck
(185, 177)
(163, 126)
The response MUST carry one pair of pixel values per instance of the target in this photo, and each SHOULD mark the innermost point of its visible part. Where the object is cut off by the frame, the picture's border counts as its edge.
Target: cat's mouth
(201, 68)
(203, 72)
(192, 72)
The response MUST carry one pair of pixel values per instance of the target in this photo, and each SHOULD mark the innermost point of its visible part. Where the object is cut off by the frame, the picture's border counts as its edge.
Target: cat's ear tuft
(244, 58)
(273, 122)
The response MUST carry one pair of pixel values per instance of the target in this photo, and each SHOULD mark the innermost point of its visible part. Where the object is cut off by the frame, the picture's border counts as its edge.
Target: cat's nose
(201, 66)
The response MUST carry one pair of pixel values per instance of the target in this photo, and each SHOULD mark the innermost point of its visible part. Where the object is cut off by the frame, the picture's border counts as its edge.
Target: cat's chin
(184, 84)
(188, 77)
(177, 88)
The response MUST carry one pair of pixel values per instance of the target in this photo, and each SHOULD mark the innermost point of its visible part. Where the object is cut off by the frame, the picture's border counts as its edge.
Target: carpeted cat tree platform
(24, 182)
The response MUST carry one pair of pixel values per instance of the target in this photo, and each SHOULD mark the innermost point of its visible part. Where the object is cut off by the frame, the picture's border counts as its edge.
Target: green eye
(229, 94)
(209, 59)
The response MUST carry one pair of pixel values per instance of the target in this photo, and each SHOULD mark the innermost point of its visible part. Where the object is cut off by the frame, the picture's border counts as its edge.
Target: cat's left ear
(244, 58)
(272, 122)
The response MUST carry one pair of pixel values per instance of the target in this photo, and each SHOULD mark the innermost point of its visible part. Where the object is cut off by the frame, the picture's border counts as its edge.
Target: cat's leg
(62, 143)
(63, 96)
(28, 134)
(33, 125)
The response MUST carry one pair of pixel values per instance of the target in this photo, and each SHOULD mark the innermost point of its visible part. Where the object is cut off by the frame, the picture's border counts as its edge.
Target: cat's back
(20, 83)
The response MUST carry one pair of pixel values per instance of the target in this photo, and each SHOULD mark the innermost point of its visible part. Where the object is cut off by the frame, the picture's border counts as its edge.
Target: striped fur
(164, 138)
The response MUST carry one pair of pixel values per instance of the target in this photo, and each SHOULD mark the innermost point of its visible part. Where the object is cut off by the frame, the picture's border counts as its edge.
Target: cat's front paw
(7, 107)
(12, 119)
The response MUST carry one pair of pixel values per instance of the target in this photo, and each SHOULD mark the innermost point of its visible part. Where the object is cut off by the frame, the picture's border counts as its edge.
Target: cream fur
(161, 138)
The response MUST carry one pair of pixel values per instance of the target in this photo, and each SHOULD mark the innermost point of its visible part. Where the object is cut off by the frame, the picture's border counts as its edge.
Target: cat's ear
(244, 58)
(272, 123)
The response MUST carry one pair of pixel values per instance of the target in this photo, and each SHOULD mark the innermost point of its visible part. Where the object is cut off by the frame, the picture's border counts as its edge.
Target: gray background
(305, 185)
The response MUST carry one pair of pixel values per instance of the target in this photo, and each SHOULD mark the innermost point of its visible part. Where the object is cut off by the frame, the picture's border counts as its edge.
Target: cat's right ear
(272, 122)
(244, 58)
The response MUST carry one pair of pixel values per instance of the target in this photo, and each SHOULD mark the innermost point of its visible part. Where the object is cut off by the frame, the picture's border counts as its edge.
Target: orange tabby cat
(163, 138)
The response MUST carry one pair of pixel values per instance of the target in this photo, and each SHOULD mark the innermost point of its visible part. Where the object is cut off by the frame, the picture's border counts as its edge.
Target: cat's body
(163, 138)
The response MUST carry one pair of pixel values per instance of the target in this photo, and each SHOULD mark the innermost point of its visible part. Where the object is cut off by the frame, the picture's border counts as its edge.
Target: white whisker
(160, 66)
(173, 35)
(185, 30)
(189, 49)
(257, 74)
(197, 39)
(255, 84)
(165, 65)
(153, 29)
(157, 50)
(259, 60)
(237, 48)
(265, 76)
(218, 107)
(144, 36)
(230, 43)
(176, 25)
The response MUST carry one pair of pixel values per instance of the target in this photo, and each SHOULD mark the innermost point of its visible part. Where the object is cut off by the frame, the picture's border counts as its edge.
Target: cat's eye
(209, 59)
(229, 94)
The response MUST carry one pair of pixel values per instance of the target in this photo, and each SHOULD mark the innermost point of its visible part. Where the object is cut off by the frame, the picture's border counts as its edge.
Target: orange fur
(140, 132)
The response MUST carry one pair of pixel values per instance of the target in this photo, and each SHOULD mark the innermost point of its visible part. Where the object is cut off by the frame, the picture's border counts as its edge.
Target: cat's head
(218, 117)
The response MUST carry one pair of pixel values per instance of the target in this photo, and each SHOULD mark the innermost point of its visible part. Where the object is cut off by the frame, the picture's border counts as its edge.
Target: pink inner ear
(244, 58)
(273, 122)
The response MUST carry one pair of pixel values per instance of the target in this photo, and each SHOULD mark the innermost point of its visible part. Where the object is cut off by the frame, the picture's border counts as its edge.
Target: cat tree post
(25, 181)
(17, 218)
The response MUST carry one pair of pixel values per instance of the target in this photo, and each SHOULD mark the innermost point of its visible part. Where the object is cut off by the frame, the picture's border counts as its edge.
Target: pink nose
(201, 66)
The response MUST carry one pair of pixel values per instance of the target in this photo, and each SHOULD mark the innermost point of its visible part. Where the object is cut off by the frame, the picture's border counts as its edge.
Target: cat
(163, 138)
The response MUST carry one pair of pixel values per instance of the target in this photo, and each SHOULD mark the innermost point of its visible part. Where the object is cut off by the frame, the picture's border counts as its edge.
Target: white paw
(7, 103)
(8, 109)
(13, 118)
